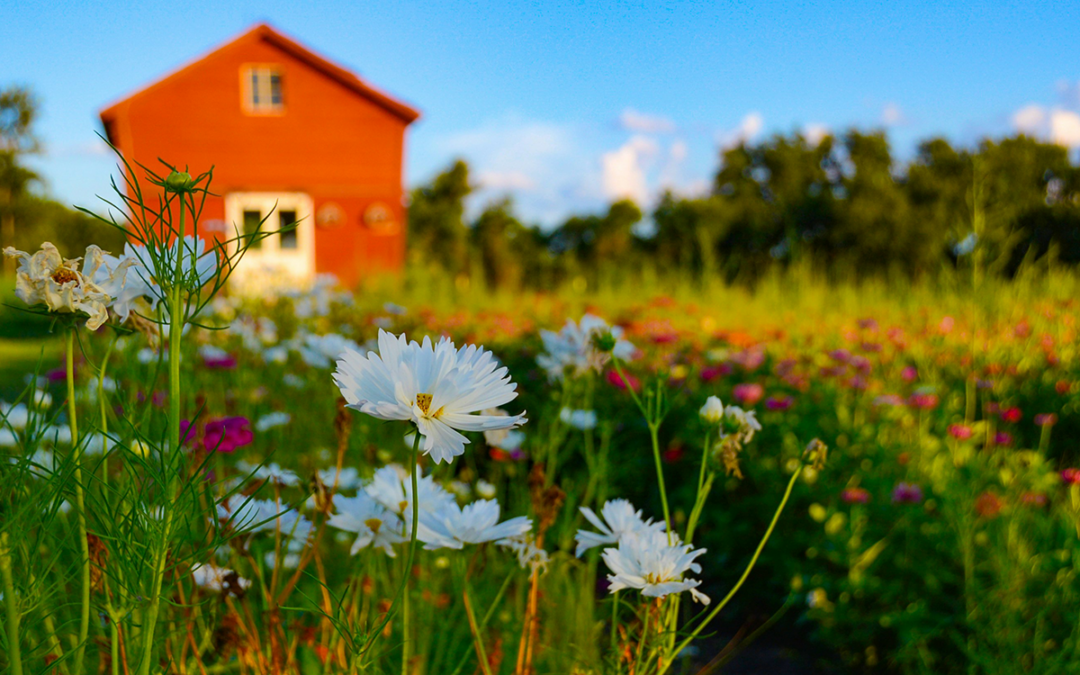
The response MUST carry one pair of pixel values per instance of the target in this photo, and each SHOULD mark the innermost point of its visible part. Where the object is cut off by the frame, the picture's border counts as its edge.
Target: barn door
(283, 257)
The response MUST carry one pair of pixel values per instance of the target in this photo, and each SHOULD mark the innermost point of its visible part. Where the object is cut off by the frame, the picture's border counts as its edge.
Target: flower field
(417, 478)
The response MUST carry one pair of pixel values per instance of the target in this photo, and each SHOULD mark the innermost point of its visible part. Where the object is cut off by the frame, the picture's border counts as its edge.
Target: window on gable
(262, 90)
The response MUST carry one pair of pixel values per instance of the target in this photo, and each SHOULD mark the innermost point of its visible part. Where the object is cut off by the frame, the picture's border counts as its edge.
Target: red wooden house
(280, 125)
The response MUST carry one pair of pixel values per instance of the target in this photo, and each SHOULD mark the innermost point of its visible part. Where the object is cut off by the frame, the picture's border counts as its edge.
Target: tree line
(842, 205)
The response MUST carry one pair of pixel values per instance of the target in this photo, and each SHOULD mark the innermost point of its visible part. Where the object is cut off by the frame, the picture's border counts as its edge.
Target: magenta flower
(781, 402)
(227, 434)
(840, 355)
(1071, 476)
(227, 362)
(907, 493)
(909, 373)
(712, 372)
(614, 379)
(1003, 438)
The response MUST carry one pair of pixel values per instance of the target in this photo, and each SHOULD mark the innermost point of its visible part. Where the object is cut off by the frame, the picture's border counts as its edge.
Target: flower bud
(179, 181)
(713, 410)
(604, 341)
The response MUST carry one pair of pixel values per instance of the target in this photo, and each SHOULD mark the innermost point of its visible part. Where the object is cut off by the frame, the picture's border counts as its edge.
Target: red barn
(280, 125)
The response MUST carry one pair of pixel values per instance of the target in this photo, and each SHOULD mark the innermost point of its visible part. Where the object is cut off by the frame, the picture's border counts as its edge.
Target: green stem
(104, 415)
(746, 573)
(478, 640)
(412, 553)
(176, 327)
(615, 623)
(80, 509)
(11, 607)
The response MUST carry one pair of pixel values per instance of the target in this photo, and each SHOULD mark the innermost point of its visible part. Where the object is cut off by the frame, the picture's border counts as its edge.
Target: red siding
(330, 142)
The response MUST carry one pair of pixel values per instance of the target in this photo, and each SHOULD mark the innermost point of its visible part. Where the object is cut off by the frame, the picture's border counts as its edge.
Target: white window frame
(294, 264)
(261, 73)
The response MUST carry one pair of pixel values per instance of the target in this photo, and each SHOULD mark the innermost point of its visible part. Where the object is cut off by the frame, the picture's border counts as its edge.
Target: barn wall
(329, 142)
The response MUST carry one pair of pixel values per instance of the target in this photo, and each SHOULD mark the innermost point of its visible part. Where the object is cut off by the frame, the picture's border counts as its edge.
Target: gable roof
(264, 32)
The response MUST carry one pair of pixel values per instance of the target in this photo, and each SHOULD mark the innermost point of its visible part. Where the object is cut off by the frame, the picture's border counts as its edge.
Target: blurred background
(694, 138)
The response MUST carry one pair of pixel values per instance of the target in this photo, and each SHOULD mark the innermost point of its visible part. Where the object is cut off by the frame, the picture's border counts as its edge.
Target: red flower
(1013, 415)
(923, 401)
(672, 454)
(855, 495)
(988, 505)
(1062, 387)
(1071, 476)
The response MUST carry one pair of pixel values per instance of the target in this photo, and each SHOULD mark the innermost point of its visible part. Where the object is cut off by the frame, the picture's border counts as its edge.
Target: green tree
(18, 111)
(437, 231)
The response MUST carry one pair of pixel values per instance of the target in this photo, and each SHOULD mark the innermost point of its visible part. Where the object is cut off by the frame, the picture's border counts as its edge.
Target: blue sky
(565, 106)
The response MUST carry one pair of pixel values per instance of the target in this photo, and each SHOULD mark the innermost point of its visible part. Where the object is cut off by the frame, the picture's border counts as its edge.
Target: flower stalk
(80, 507)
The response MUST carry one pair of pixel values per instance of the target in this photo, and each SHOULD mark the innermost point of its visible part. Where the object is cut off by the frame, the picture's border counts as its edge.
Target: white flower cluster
(98, 282)
(381, 516)
(436, 386)
(641, 554)
(573, 350)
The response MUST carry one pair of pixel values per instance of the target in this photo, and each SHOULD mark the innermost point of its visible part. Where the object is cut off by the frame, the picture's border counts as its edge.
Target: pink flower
(1033, 499)
(923, 401)
(1003, 438)
(227, 434)
(1045, 419)
(946, 325)
(909, 373)
(748, 393)
(227, 362)
(960, 432)
(868, 324)
(1071, 476)
(855, 495)
(840, 355)
(907, 493)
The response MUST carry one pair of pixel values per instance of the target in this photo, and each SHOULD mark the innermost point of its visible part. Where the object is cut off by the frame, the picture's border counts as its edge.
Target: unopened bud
(713, 410)
(179, 181)
(816, 453)
(604, 341)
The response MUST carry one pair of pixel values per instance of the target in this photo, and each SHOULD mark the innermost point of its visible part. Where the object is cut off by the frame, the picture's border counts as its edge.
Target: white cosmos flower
(14, 416)
(391, 486)
(198, 265)
(271, 472)
(321, 351)
(214, 578)
(453, 526)
(271, 420)
(437, 387)
(347, 479)
(65, 286)
(645, 561)
(579, 419)
(713, 410)
(745, 419)
(529, 555)
(620, 519)
(373, 524)
(571, 350)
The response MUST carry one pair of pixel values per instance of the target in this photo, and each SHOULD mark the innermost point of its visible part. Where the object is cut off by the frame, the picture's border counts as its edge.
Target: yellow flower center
(424, 401)
(62, 275)
(374, 524)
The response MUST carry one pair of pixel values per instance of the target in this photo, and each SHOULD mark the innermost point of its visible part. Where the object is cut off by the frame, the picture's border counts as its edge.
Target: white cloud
(505, 180)
(546, 167)
(748, 129)
(1065, 128)
(1031, 120)
(892, 115)
(1057, 125)
(94, 148)
(624, 170)
(814, 133)
(632, 120)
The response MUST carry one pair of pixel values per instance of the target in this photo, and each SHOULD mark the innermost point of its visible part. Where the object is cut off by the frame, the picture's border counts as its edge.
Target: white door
(282, 257)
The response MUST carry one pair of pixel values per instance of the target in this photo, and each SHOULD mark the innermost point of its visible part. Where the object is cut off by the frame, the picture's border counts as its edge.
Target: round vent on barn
(380, 219)
(329, 216)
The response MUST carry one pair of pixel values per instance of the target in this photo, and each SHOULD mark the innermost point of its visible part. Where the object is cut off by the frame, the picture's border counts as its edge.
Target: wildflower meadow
(419, 477)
